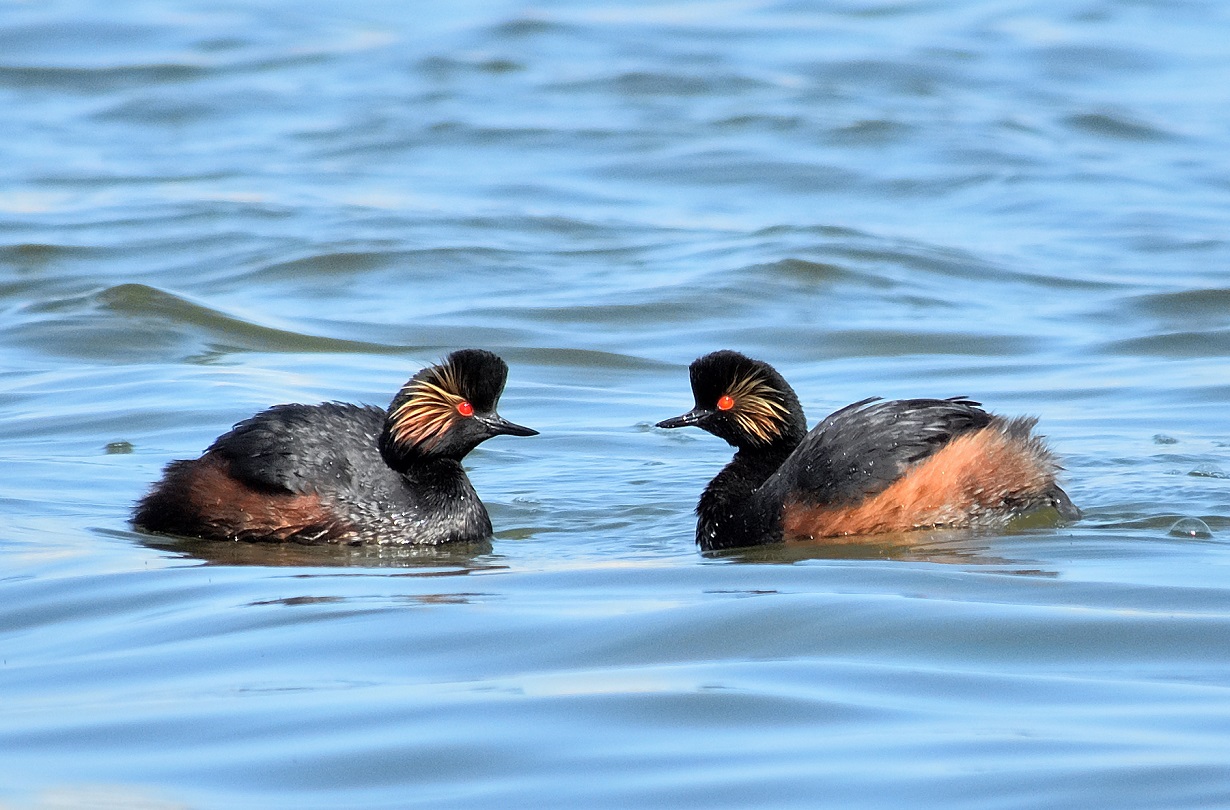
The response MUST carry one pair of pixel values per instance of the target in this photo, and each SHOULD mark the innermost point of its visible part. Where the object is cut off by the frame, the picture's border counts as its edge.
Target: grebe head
(744, 401)
(447, 410)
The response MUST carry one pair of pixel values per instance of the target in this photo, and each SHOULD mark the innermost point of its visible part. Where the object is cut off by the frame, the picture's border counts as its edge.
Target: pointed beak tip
(683, 420)
(497, 425)
(503, 427)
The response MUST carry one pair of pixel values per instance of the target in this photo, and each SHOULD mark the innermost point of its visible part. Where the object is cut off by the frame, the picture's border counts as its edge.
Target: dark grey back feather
(863, 448)
(276, 448)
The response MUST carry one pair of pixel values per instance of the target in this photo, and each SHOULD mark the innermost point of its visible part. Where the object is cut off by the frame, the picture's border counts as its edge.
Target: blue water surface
(210, 207)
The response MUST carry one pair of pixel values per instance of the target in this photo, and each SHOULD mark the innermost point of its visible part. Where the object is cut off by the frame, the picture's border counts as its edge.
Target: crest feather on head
(765, 408)
(426, 407)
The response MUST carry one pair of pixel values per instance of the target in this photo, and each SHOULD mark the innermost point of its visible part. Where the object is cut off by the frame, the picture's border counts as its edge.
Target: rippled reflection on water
(206, 210)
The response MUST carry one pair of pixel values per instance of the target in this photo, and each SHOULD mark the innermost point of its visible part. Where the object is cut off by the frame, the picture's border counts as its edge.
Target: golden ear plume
(756, 410)
(429, 410)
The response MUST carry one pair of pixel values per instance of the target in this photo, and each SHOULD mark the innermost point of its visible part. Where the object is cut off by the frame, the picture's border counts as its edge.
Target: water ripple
(208, 211)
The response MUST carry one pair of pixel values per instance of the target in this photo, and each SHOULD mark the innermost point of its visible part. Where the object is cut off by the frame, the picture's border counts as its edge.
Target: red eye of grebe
(465, 408)
(725, 402)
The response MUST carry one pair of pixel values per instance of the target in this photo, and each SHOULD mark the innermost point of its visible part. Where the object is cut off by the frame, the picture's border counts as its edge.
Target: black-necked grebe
(870, 468)
(341, 473)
